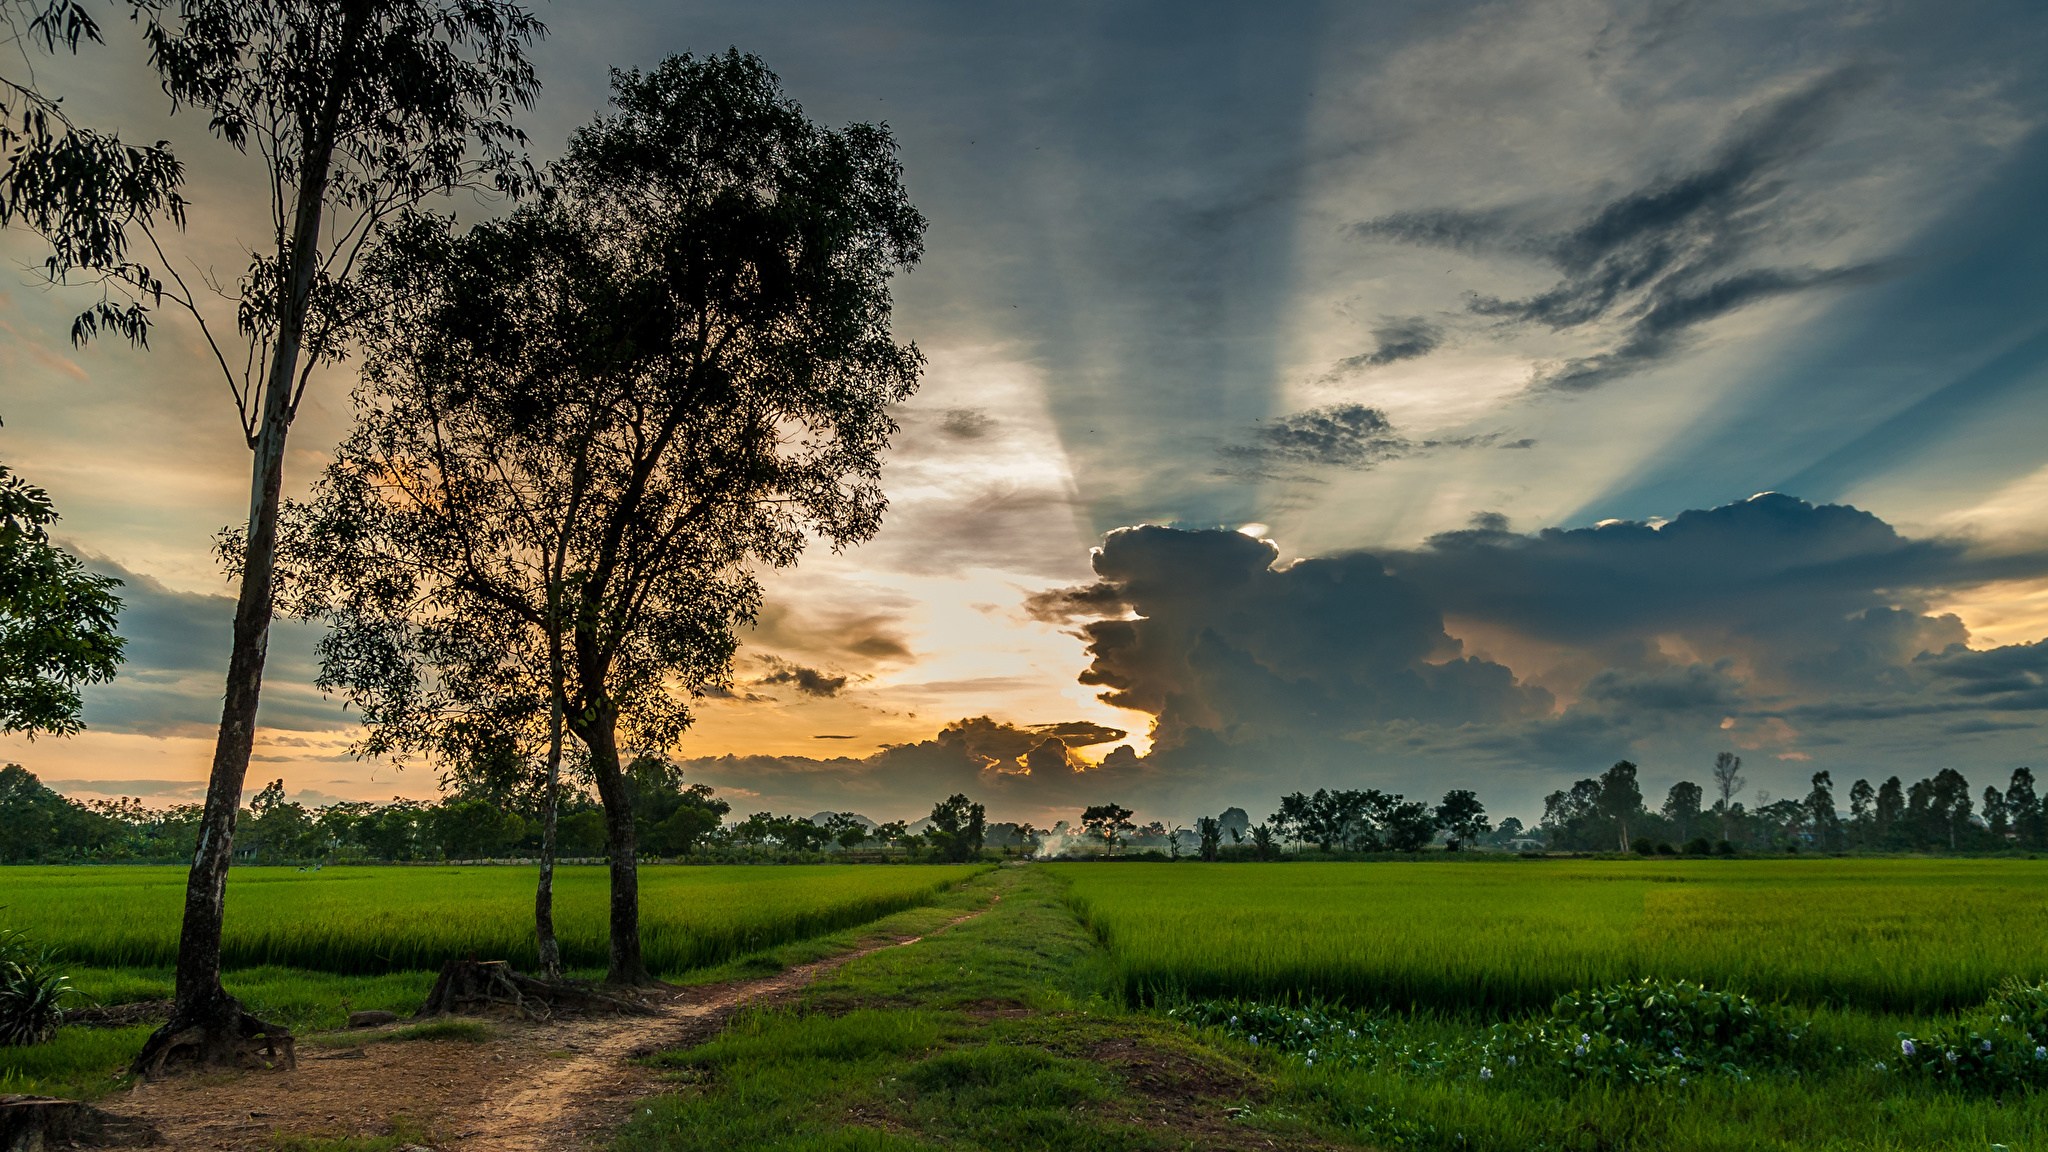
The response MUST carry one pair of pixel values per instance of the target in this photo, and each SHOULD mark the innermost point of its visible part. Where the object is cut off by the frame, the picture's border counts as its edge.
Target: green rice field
(1888, 935)
(374, 920)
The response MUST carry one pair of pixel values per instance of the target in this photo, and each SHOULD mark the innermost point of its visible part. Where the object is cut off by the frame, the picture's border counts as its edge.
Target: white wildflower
(1906, 1048)
(1486, 1073)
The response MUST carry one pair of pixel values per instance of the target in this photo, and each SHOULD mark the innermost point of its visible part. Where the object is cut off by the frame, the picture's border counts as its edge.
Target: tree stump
(471, 987)
(34, 1123)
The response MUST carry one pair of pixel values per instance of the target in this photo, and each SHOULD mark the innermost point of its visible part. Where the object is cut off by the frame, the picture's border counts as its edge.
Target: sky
(1410, 396)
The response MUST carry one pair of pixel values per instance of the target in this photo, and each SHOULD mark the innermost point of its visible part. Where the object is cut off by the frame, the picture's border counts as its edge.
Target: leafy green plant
(33, 988)
(2001, 1048)
(1647, 1030)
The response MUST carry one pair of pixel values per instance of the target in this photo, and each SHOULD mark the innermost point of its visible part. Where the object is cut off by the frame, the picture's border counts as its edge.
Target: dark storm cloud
(1350, 436)
(171, 676)
(1717, 627)
(1225, 642)
(1062, 605)
(1769, 564)
(1080, 733)
(808, 681)
(1013, 769)
(835, 632)
(1399, 338)
(1669, 256)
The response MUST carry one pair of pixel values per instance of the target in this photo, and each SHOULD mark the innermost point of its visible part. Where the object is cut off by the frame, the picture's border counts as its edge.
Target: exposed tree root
(468, 987)
(247, 1042)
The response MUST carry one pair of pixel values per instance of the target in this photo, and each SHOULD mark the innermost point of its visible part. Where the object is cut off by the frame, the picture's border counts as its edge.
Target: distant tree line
(485, 815)
(1608, 813)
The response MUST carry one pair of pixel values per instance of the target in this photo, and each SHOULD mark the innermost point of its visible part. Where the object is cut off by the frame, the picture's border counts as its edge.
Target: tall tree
(1951, 805)
(2023, 808)
(959, 826)
(1463, 816)
(1728, 782)
(1621, 798)
(596, 416)
(1995, 814)
(1109, 823)
(1821, 817)
(1682, 808)
(1861, 815)
(358, 110)
(1890, 810)
(57, 620)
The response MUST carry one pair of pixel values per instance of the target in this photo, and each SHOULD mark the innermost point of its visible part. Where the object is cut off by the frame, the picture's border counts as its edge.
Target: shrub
(1642, 846)
(1698, 846)
(2004, 1048)
(1651, 1030)
(1664, 848)
(32, 991)
(1723, 848)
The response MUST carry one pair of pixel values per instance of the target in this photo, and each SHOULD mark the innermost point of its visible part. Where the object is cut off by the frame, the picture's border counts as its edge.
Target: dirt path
(545, 1087)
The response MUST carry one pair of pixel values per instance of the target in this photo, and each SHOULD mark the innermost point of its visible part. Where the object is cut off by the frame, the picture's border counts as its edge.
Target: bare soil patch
(544, 1086)
(1193, 1098)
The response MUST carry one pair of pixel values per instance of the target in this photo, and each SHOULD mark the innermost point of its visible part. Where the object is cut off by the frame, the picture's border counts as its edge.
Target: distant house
(1525, 845)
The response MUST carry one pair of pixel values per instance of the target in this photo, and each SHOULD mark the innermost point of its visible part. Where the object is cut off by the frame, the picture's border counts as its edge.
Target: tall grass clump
(376, 920)
(1909, 936)
(33, 988)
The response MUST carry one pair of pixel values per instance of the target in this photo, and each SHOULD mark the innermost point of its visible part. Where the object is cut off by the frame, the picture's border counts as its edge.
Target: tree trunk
(206, 1017)
(544, 894)
(601, 737)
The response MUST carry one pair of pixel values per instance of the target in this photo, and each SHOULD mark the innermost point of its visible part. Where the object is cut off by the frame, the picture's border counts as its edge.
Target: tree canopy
(595, 417)
(57, 621)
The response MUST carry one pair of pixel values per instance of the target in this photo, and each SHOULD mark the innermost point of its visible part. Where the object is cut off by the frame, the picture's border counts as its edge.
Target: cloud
(1080, 733)
(1020, 771)
(1399, 338)
(856, 629)
(1350, 436)
(176, 789)
(1660, 261)
(808, 681)
(1224, 641)
(1062, 605)
(171, 676)
(966, 423)
(1770, 623)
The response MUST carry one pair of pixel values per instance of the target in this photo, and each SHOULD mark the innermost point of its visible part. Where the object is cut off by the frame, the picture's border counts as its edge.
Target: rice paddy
(360, 921)
(1887, 935)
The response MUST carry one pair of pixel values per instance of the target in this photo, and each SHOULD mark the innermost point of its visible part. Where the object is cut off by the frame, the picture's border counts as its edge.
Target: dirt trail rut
(545, 1087)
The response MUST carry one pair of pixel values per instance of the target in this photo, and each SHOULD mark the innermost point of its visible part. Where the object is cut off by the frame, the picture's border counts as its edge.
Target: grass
(78, 1063)
(898, 1050)
(389, 914)
(366, 921)
(1011, 1032)
(1897, 935)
